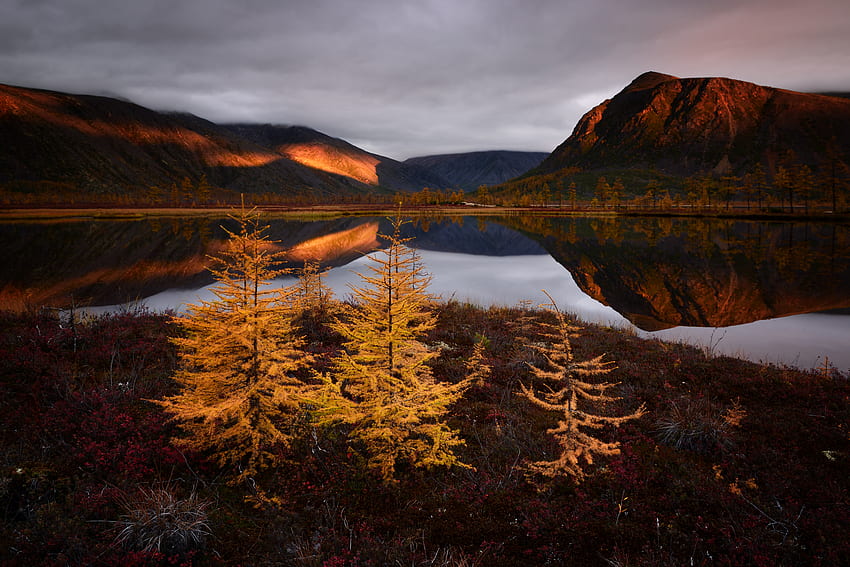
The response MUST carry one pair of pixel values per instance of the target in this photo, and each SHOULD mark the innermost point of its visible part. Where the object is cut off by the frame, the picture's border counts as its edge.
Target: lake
(768, 291)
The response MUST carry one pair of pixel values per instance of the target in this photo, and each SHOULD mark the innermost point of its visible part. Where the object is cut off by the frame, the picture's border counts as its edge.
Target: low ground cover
(735, 463)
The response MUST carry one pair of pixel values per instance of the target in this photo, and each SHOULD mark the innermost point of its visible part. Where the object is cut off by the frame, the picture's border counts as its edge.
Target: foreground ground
(754, 468)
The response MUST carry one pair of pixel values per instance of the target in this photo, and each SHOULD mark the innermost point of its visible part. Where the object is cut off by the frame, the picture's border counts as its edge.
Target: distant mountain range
(659, 126)
(704, 125)
(470, 170)
(99, 144)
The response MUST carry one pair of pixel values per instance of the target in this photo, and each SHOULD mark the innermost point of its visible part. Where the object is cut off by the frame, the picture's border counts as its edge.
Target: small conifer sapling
(573, 392)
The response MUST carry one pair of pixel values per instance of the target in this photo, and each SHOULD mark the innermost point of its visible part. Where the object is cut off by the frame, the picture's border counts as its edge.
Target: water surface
(777, 292)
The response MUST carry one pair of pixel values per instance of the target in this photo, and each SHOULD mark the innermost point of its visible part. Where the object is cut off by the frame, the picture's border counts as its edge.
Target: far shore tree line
(789, 187)
(249, 390)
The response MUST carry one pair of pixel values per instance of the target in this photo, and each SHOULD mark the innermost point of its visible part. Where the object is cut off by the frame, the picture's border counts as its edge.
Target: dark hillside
(470, 170)
(103, 145)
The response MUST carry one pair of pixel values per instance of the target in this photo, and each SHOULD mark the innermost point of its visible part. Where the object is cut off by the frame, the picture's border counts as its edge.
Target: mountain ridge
(334, 155)
(81, 144)
(704, 124)
(659, 124)
(100, 144)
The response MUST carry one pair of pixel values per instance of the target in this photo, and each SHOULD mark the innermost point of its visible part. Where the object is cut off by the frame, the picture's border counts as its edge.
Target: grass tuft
(155, 520)
(698, 425)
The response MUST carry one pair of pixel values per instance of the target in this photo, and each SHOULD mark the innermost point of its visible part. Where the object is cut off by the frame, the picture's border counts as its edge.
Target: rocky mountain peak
(648, 80)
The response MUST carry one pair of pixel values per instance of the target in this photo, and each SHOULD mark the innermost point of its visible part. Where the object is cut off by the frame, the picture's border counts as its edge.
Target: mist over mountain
(713, 125)
(469, 170)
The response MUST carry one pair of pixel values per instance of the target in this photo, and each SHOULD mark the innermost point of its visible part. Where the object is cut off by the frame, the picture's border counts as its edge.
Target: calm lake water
(775, 292)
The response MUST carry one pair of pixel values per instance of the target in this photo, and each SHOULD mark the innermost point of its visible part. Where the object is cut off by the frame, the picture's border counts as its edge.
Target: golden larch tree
(571, 391)
(383, 386)
(242, 364)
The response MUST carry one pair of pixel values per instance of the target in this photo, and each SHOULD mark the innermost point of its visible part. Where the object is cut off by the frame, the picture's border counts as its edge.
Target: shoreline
(708, 340)
(132, 213)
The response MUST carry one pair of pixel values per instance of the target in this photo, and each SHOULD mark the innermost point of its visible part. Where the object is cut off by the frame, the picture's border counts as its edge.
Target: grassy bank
(736, 463)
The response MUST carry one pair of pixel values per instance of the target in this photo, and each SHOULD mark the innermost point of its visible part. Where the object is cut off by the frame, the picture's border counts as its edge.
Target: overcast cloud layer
(404, 78)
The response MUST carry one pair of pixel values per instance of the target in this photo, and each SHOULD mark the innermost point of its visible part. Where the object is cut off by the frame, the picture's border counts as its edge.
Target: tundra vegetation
(396, 429)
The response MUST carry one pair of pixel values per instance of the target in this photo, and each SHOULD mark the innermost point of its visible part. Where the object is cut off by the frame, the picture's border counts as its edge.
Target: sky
(405, 78)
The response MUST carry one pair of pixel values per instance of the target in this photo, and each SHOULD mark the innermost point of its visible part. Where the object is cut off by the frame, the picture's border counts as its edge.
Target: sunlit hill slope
(333, 155)
(72, 145)
(712, 125)
(99, 144)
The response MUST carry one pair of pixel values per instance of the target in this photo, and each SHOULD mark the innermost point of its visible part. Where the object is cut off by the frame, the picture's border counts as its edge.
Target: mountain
(100, 144)
(686, 126)
(470, 170)
(320, 151)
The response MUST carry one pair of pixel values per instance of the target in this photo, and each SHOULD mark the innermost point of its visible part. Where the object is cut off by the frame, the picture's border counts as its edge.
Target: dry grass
(698, 425)
(155, 520)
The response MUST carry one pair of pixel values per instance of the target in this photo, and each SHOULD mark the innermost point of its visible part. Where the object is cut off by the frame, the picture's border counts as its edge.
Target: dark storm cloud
(405, 78)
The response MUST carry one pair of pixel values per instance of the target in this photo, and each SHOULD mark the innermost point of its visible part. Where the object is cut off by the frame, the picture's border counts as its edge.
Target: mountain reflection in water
(673, 278)
(665, 272)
